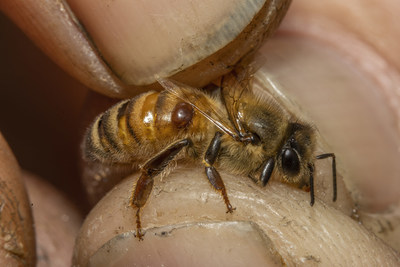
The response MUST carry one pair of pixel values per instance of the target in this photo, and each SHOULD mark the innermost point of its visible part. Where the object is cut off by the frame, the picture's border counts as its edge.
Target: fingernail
(140, 39)
(198, 244)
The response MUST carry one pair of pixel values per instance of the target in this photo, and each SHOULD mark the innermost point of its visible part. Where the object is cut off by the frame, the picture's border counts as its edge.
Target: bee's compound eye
(290, 161)
(182, 114)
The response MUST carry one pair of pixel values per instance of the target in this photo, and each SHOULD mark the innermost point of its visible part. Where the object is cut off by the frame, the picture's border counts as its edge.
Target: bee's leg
(267, 170)
(150, 169)
(141, 193)
(212, 174)
(311, 168)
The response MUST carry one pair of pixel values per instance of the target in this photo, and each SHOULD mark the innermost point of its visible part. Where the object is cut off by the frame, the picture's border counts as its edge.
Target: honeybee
(232, 129)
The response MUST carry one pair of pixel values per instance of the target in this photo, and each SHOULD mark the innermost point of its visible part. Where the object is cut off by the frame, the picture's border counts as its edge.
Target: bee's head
(292, 155)
(295, 154)
(294, 160)
(291, 144)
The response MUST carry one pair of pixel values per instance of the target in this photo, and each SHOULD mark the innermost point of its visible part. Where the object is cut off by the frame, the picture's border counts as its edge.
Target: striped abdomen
(136, 129)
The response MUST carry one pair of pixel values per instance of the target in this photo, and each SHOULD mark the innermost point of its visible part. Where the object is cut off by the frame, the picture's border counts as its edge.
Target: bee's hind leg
(150, 169)
(212, 174)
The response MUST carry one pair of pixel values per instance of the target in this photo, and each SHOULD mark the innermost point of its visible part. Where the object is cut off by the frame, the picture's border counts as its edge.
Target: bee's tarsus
(216, 181)
(139, 233)
(230, 208)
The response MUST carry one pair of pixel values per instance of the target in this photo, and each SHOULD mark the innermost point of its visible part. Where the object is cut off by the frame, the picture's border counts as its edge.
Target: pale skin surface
(385, 47)
(57, 222)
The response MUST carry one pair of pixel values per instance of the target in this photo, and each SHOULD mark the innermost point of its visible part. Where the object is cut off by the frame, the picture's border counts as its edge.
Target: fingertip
(191, 244)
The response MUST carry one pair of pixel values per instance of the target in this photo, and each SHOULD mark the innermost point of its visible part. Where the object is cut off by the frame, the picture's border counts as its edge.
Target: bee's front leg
(150, 169)
(212, 174)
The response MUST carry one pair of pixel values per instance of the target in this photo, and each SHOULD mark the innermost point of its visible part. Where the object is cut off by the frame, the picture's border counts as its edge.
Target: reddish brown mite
(232, 130)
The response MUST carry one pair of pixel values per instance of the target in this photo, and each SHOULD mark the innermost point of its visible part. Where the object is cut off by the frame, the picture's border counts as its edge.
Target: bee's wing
(235, 85)
(212, 113)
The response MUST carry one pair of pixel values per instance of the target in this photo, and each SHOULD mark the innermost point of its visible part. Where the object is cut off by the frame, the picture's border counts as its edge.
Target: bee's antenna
(311, 168)
(331, 155)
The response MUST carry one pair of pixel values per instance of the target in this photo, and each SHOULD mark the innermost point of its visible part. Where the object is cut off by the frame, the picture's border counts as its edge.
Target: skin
(299, 234)
(385, 47)
(17, 236)
(57, 222)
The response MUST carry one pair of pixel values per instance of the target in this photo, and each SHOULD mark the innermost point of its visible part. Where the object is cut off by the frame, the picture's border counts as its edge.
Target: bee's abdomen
(118, 134)
(134, 130)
